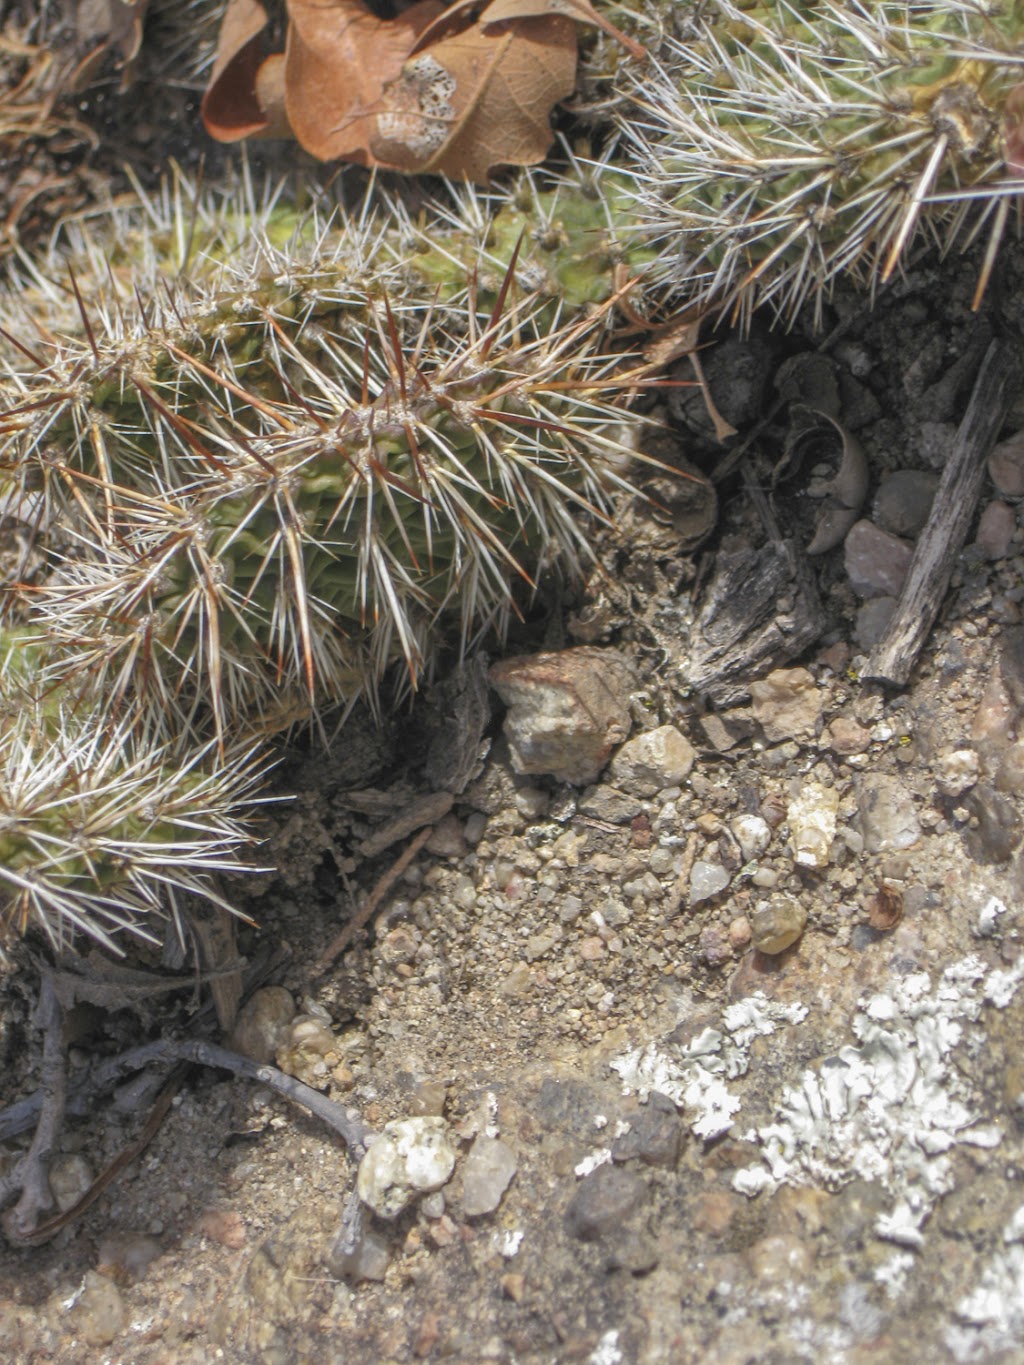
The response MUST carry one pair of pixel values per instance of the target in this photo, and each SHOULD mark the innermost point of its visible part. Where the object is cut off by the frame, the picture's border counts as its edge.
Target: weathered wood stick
(931, 568)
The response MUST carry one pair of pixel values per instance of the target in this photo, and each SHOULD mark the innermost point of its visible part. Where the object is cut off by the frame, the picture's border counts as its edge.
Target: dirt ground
(670, 1146)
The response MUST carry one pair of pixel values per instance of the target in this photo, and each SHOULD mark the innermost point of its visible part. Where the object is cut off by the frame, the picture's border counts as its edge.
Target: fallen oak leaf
(339, 57)
(501, 11)
(478, 99)
(244, 97)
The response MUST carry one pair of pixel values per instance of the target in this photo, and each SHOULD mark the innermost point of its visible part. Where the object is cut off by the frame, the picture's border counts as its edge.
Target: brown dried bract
(884, 908)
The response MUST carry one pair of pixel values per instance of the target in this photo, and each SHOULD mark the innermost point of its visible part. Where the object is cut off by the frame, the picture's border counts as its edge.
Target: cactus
(102, 829)
(783, 144)
(287, 469)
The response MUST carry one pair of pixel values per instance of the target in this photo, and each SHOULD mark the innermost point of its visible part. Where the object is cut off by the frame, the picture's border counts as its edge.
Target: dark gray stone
(604, 1201)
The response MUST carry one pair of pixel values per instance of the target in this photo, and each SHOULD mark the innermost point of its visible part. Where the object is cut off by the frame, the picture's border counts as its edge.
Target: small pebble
(262, 1024)
(776, 925)
(98, 1314)
(410, 1157)
(714, 945)
(126, 1256)
(706, 880)
(224, 1226)
(812, 824)
(957, 771)
(486, 1174)
(845, 736)
(566, 710)
(70, 1177)
(604, 1201)
(888, 818)
(1006, 466)
(739, 932)
(654, 1136)
(787, 704)
(995, 530)
(367, 1260)
(904, 501)
(652, 761)
(876, 562)
(752, 834)
(998, 830)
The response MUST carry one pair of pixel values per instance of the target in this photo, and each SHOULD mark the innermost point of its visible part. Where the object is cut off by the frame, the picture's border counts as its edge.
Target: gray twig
(931, 568)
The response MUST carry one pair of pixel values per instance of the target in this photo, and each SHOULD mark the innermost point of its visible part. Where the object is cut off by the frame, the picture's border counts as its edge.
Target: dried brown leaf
(338, 60)
(501, 11)
(239, 102)
(478, 99)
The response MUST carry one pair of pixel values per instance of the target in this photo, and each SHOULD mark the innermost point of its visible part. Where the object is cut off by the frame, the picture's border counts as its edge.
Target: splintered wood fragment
(893, 658)
(740, 632)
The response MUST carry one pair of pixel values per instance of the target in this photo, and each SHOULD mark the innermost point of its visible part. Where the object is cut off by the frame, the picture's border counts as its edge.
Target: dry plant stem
(31, 1176)
(43, 1232)
(360, 920)
(22, 1227)
(83, 1092)
(894, 656)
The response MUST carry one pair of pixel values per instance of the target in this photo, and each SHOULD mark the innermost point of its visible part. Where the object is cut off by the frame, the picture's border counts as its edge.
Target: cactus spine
(263, 480)
(784, 144)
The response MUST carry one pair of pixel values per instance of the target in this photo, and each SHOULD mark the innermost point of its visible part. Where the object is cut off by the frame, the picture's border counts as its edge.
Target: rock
(845, 735)
(654, 1136)
(812, 824)
(567, 710)
(650, 762)
(262, 1024)
(723, 730)
(310, 1048)
(787, 704)
(448, 839)
(776, 925)
(957, 771)
(226, 1227)
(486, 1174)
(752, 834)
(714, 945)
(604, 1201)
(904, 500)
(995, 530)
(706, 880)
(410, 1157)
(70, 1177)
(1006, 466)
(998, 830)
(739, 933)
(876, 562)
(607, 803)
(99, 1313)
(872, 621)
(367, 1259)
(993, 722)
(126, 1256)
(1010, 772)
(886, 814)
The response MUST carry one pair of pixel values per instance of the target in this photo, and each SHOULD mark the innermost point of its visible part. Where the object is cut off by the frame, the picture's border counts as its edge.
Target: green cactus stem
(103, 829)
(281, 474)
(784, 144)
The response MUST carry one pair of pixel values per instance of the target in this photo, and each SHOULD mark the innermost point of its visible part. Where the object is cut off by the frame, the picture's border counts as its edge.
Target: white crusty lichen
(694, 1077)
(891, 1107)
(991, 1316)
